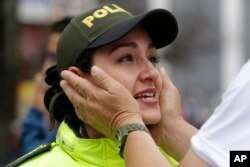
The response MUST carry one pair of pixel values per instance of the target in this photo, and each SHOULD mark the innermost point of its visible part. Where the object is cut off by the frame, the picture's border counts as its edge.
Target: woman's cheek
(151, 116)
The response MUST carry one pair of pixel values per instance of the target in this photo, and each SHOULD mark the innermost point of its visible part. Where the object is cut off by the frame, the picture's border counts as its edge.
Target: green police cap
(108, 23)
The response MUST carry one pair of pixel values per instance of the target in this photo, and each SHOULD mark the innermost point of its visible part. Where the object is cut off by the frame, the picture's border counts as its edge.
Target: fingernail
(62, 73)
(162, 70)
(62, 82)
(94, 70)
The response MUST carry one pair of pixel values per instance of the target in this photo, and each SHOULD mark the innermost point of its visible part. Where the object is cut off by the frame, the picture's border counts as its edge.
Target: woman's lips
(147, 96)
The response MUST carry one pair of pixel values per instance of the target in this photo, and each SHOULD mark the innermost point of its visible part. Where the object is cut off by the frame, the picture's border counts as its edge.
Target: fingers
(166, 81)
(163, 74)
(76, 99)
(170, 99)
(80, 85)
(102, 79)
(69, 91)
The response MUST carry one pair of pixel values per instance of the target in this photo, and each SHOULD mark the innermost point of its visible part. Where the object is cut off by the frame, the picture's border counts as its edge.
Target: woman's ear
(78, 72)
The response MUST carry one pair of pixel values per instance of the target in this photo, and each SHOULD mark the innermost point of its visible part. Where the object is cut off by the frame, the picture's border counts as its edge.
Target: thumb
(166, 81)
(102, 79)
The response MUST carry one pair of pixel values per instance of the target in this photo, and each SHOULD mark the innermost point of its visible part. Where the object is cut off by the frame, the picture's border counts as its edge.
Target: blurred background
(211, 46)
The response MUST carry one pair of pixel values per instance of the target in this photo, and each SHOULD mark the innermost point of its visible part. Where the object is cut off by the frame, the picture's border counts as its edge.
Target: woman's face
(132, 61)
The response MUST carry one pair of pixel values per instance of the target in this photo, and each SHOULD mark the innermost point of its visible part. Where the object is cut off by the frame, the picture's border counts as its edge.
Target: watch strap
(122, 133)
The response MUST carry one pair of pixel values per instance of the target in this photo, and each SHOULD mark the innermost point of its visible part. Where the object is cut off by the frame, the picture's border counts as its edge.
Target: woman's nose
(148, 72)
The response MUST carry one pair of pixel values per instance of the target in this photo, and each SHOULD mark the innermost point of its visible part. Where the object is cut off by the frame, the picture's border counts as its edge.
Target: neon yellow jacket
(71, 151)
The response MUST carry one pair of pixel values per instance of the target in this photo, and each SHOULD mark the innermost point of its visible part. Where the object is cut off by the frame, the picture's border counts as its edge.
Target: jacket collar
(95, 152)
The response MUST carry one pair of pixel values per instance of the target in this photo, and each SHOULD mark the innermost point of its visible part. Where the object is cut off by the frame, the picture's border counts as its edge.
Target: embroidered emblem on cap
(100, 13)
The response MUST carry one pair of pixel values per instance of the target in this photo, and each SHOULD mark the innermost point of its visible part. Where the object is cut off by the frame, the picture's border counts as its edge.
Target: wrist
(176, 131)
(168, 131)
(123, 132)
(131, 121)
(125, 120)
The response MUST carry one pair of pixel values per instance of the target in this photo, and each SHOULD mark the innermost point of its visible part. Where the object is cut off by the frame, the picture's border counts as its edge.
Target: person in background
(124, 45)
(35, 129)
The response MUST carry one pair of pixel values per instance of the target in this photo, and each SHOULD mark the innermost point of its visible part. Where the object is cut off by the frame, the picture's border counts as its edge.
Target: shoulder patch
(37, 151)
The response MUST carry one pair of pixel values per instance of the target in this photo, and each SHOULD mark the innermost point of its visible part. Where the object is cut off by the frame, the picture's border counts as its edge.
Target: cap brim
(160, 24)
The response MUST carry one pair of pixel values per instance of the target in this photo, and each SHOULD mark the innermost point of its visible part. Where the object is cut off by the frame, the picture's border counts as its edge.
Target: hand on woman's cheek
(102, 106)
(170, 106)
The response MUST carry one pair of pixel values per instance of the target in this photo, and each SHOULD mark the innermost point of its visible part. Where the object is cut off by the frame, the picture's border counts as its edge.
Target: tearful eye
(154, 60)
(125, 58)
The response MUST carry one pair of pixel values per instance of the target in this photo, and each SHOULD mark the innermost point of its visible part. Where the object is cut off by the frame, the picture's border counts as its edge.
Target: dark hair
(57, 103)
(84, 61)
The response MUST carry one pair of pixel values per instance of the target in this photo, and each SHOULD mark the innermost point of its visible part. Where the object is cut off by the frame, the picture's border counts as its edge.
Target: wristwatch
(122, 134)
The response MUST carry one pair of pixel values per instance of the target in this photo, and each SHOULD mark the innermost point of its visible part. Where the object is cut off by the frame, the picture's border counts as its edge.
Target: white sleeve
(228, 127)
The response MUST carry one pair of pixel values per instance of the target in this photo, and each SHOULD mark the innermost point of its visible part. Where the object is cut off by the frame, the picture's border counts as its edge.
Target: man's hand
(170, 105)
(173, 133)
(105, 104)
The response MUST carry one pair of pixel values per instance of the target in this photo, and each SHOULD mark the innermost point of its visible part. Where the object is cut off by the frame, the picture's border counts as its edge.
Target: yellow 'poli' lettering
(100, 13)
(88, 21)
